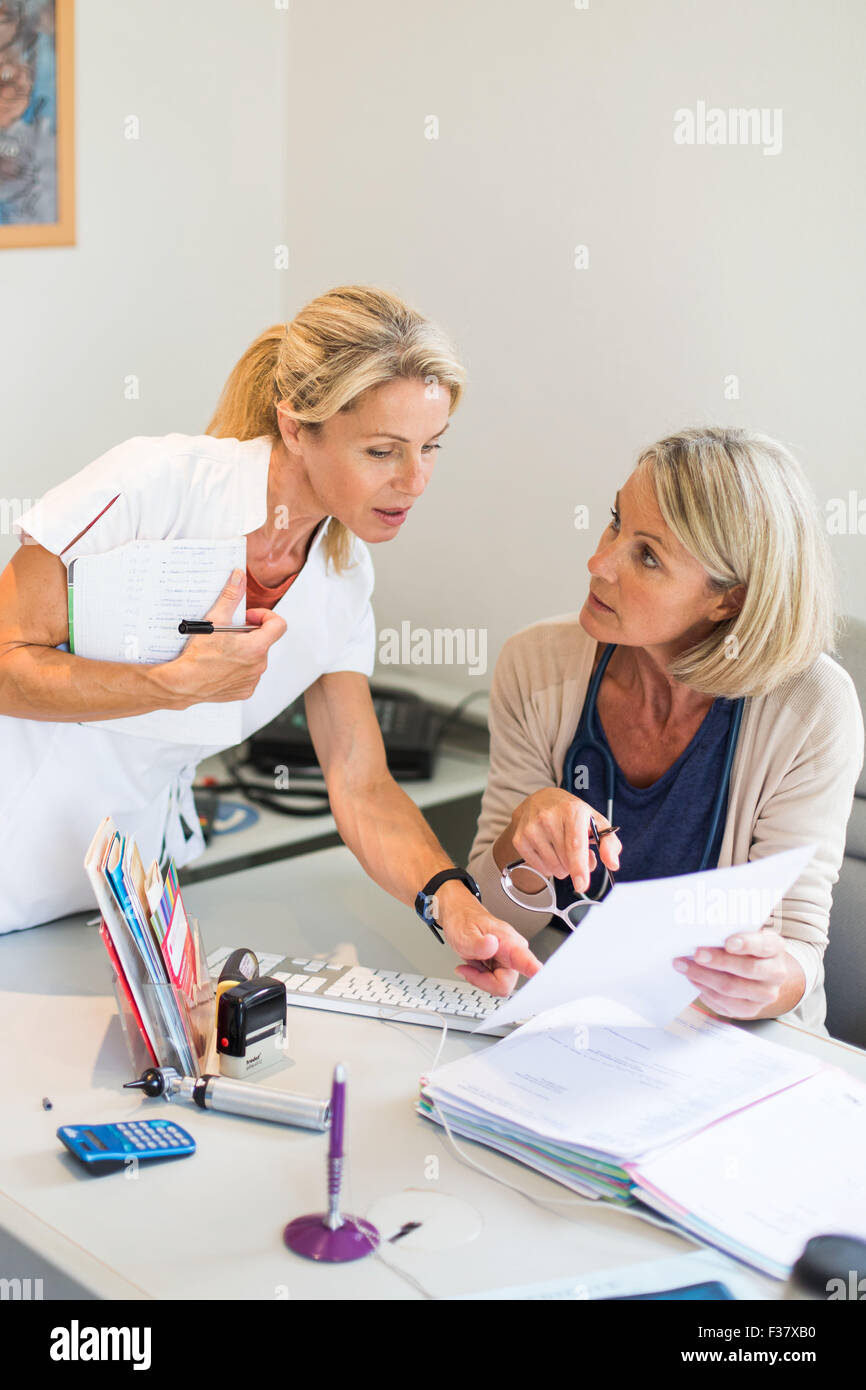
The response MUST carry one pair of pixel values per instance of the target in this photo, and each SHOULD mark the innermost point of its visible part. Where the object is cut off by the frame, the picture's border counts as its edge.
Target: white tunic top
(61, 779)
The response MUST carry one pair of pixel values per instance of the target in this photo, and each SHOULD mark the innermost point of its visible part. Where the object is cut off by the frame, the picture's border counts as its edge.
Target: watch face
(433, 908)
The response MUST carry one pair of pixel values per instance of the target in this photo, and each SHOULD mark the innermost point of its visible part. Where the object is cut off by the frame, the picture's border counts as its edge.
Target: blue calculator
(96, 1145)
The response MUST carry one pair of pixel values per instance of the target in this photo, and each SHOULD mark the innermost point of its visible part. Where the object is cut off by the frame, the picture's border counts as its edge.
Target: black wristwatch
(425, 903)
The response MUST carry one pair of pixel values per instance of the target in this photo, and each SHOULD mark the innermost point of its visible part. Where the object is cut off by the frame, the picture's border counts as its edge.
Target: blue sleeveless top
(663, 827)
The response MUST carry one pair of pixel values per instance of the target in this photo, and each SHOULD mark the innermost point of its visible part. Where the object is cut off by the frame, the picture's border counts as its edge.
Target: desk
(211, 1226)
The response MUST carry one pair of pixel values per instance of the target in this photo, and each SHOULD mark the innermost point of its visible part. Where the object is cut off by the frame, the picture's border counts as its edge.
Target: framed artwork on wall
(37, 193)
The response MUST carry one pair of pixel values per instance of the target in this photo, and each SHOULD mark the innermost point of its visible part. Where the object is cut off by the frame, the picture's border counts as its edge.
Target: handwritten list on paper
(126, 605)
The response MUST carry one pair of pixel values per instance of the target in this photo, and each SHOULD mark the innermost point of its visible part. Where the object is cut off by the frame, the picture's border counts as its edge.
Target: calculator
(98, 1145)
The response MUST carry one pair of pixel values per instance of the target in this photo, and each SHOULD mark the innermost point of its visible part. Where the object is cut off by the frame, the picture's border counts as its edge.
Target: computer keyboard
(391, 994)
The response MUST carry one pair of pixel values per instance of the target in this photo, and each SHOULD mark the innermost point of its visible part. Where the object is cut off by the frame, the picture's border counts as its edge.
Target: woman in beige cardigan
(711, 584)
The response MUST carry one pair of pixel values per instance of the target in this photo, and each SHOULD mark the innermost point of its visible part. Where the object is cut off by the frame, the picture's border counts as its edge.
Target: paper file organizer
(189, 1052)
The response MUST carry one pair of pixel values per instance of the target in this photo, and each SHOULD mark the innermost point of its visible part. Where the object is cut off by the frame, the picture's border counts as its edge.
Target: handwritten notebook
(126, 604)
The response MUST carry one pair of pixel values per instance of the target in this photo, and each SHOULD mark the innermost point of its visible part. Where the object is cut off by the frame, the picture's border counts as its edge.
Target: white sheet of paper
(127, 604)
(622, 952)
(620, 1092)
(772, 1176)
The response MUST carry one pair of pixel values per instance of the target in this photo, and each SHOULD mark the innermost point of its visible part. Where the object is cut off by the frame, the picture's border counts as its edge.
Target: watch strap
(425, 901)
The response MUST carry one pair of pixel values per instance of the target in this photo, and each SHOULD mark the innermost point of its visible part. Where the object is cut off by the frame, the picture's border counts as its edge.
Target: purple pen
(335, 1147)
(330, 1235)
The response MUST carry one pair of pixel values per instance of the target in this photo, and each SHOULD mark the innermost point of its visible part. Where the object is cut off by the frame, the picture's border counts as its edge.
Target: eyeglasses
(543, 898)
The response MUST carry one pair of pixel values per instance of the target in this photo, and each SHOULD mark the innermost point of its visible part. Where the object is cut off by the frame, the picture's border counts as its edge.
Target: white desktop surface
(210, 1226)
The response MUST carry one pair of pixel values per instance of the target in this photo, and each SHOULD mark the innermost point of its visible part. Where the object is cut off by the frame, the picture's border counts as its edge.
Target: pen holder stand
(180, 1025)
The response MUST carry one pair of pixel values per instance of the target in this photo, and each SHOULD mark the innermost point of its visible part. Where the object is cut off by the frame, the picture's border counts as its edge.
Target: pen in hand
(189, 628)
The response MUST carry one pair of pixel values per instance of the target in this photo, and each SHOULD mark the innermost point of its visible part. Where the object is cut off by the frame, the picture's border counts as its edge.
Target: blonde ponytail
(246, 408)
(344, 343)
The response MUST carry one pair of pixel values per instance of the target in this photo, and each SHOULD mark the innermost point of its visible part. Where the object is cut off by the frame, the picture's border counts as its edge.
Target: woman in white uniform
(323, 439)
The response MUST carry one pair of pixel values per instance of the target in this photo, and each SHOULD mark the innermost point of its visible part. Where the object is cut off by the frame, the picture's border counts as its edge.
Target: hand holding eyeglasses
(558, 836)
(550, 831)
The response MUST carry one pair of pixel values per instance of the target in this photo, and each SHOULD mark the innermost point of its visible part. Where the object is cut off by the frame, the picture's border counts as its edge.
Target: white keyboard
(391, 994)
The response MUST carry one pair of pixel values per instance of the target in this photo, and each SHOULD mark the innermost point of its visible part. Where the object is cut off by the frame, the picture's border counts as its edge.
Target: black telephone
(410, 731)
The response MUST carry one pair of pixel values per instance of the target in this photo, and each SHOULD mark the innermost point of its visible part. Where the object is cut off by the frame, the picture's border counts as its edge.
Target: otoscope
(235, 1097)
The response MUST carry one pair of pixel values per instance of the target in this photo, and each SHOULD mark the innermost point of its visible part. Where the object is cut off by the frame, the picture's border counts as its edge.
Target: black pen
(204, 629)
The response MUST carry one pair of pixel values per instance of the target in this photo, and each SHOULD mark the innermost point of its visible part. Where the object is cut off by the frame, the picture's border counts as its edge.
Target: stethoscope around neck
(589, 740)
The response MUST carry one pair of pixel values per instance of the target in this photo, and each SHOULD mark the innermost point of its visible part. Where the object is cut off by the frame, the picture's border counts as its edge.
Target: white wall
(260, 126)
(173, 271)
(556, 128)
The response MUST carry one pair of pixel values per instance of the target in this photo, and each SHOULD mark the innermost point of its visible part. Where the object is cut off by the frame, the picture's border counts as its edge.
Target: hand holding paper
(751, 973)
(617, 966)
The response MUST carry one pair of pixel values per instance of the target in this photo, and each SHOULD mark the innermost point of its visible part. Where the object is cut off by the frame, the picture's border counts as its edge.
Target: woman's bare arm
(39, 682)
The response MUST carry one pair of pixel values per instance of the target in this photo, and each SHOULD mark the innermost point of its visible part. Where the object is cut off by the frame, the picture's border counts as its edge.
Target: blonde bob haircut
(345, 342)
(740, 504)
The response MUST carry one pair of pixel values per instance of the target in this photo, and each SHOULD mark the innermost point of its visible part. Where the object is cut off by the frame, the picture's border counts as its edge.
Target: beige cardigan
(798, 757)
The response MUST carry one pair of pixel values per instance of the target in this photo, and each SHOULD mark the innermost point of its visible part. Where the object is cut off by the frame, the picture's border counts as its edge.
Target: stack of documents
(580, 1104)
(155, 954)
(763, 1182)
(622, 1088)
